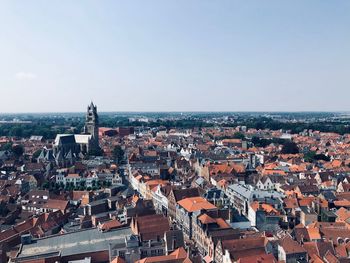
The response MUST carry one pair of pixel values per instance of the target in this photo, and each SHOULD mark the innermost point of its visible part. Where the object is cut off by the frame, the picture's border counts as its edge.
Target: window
(122, 254)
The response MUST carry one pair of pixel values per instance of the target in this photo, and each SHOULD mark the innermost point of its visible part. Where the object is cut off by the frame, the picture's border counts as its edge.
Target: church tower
(91, 125)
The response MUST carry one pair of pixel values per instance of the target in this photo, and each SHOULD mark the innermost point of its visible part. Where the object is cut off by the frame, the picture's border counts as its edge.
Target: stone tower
(91, 125)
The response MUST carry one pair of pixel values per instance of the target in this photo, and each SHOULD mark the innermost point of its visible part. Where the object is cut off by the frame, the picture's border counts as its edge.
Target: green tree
(238, 135)
(322, 157)
(46, 185)
(309, 156)
(18, 150)
(3, 208)
(290, 147)
(36, 154)
(16, 131)
(6, 147)
(95, 152)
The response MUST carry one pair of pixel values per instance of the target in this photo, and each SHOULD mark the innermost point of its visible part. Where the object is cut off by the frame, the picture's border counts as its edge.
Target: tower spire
(92, 124)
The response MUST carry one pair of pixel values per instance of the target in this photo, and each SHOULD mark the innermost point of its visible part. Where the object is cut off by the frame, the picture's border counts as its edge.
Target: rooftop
(192, 204)
(83, 241)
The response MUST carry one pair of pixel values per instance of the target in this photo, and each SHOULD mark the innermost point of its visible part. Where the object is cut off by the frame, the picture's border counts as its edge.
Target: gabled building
(150, 227)
(236, 250)
(187, 211)
(264, 216)
(290, 251)
(177, 195)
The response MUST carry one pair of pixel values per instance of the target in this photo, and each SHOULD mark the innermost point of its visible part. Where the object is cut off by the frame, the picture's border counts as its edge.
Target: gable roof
(180, 194)
(177, 256)
(290, 246)
(196, 204)
(239, 248)
(56, 204)
(150, 226)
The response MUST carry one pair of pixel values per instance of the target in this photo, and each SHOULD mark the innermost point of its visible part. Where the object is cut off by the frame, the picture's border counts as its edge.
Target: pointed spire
(49, 155)
(42, 155)
(69, 155)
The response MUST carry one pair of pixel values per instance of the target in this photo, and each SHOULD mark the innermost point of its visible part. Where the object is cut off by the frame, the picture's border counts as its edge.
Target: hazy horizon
(176, 112)
(174, 56)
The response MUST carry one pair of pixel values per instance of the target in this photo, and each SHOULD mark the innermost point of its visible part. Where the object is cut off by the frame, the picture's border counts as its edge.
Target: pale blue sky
(169, 55)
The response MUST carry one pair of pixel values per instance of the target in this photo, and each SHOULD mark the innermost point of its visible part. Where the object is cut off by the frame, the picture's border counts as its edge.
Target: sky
(174, 55)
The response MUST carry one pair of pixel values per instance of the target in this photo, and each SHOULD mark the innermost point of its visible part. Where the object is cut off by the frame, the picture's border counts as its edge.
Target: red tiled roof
(192, 204)
(112, 224)
(178, 256)
(264, 258)
(56, 204)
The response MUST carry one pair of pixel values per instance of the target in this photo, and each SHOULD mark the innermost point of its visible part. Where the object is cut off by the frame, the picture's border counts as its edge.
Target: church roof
(69, 155)
(82, 138)
(64, 139)
(42, 154)
(59, 156)
(49, 155)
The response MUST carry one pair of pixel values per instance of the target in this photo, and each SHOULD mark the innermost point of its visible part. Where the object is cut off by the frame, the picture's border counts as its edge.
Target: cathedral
(69, 147)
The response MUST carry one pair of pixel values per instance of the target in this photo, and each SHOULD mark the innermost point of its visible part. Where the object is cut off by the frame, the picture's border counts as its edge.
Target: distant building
(68, 147)
(91, 126)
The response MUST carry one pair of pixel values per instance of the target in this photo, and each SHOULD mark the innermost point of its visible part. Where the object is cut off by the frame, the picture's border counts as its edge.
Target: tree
(6, 147)
(312, 156)
(322, 157)
(46, 185)
(118, 153)
(309, 156)
(3, 208)
(36, 154)
(290, 147)
(260, 142)
(18, 150)
(95, 152)
(238, 135)
(82, 183)
(52, 185)
(16, 131)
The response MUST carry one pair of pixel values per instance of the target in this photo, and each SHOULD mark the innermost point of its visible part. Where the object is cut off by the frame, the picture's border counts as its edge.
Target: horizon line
(177, 111)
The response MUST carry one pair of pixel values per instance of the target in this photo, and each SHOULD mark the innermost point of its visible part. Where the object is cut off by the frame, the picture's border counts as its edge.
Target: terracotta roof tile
(196, 204)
